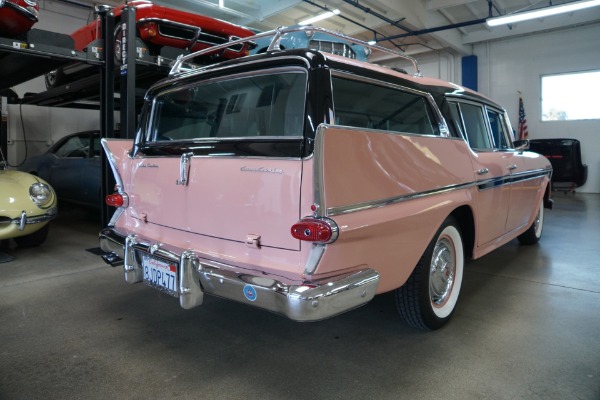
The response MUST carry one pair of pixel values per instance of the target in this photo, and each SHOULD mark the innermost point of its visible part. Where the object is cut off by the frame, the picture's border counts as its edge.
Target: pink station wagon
(305, 183)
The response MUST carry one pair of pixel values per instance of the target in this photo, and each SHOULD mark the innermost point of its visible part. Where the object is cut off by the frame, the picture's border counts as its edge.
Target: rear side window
(483, 127)
(366, 105)
(475, 126)
(76, 146)
(242, 107)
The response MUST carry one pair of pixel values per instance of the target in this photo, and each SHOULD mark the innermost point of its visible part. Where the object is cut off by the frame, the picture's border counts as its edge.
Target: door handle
(511, 167)
(483, 171)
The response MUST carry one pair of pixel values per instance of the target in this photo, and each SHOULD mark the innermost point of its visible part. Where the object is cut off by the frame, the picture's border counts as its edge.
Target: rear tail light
(322, 230)
(117, 200)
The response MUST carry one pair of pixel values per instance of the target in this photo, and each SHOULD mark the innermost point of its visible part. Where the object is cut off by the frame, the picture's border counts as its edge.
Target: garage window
(568, 97)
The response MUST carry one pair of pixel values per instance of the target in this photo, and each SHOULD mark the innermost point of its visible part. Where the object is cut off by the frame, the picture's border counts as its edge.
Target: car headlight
(40, 193)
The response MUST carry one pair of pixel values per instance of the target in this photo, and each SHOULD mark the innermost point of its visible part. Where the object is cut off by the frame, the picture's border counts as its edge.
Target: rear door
(491, 166)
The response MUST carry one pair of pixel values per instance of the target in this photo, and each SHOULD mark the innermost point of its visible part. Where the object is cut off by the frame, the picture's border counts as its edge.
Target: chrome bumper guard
(25, 220)
(310, 302)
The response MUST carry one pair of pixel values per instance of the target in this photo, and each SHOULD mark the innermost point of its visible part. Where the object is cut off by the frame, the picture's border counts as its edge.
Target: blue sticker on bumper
(250, 292)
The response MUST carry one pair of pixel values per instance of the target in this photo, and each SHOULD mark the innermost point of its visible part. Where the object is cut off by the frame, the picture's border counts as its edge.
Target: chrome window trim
(172, 88)
(208, 68)
(145, 157)
(441, 121)
(485, 107)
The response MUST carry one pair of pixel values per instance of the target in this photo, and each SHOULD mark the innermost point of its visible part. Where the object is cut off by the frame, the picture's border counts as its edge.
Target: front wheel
(428, 298)
(533, 234)
(33, 239)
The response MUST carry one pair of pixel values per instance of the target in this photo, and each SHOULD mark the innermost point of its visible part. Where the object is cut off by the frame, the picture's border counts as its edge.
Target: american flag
(523, 132)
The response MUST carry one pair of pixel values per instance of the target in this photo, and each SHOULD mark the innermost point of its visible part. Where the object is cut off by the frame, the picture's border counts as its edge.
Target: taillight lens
(315, 230)
(116, 200)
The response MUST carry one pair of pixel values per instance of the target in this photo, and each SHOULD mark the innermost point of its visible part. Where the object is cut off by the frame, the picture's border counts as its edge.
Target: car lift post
(107, 106)
(128, 72)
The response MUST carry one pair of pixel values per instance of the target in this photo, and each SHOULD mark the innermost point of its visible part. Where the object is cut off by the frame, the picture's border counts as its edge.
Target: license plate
(160, 274)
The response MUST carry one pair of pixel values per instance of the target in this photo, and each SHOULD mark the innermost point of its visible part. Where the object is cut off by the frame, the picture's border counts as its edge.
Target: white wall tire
(533, 234)
(428, 298)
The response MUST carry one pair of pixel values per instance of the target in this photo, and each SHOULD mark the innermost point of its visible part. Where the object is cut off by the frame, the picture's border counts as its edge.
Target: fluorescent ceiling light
(541, 13)
(321, 17)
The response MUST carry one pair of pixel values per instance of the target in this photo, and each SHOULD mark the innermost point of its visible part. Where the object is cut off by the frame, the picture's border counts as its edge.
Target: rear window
(266, 105)
(365, 105)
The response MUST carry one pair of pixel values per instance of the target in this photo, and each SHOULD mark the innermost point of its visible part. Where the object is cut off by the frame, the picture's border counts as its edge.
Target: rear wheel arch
(464, 217)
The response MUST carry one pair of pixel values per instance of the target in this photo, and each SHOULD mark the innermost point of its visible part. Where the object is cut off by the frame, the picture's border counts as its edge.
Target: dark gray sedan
(72, 166)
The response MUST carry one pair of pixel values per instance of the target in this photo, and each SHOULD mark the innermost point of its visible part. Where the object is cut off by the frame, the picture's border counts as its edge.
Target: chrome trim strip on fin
(113, 164)
(319, 195)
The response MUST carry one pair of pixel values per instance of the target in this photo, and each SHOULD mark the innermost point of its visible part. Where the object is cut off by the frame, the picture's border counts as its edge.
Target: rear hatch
(226, 198)
(221, 158)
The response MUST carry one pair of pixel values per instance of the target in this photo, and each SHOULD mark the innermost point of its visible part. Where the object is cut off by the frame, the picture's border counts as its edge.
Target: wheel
(55, 78)
(428, 298)
(118, 48)
(118, 44)
(33, 239)
(533, 234)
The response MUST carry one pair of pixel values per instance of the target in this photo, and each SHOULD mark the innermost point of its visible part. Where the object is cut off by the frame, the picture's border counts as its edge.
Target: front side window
(365, 105)
(499, 131)
(243, 107)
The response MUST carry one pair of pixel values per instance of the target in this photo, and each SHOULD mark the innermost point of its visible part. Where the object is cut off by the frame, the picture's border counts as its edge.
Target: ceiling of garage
(451, 25)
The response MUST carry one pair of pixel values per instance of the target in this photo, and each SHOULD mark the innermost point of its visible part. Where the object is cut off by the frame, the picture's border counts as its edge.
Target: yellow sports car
(27, 204)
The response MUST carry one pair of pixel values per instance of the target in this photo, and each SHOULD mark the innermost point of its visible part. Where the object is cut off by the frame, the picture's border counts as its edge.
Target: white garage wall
(45, 125)
(504, 67)
(511, 65)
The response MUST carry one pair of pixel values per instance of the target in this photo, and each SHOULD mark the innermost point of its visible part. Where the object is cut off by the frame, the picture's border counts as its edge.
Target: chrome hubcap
(442, 271)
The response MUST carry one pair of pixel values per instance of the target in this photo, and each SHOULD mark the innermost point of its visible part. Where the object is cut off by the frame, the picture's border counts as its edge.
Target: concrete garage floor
(527, 327)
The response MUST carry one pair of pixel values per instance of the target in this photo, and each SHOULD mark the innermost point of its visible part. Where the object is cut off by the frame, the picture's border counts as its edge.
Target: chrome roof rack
(276, 35)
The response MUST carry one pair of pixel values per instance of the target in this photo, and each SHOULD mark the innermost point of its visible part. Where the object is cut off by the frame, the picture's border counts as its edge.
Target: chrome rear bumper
(304, 302)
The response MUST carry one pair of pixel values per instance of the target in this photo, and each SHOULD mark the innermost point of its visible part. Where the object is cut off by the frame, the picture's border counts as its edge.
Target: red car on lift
(159, 26)
(17, 16)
